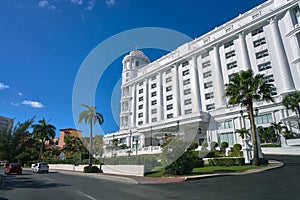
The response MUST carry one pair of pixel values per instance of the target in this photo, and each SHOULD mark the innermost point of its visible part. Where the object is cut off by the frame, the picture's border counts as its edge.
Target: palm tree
(292, 102)
(244, 88)
(90, 116)
(243, 132)
(43, 131)
(279, 129)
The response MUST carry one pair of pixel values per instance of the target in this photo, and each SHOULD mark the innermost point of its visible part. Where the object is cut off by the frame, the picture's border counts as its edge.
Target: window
(127, 74)
(141, 98)
(154, 119)
(153, 78)
(226, 137)
(169, 116)
(187, 91)
(228, 44)
(154, 102)
(206, 64)
(153, 94)
(229, 54)
(153, 111)
(209, 95)
(208, 84)
(263, 119)
(140, 115)
(210, 106)
(141, 83)
(140, 123)
(232, 65)
(256, 15)
(206, 74)
(141, 107)
(168, 71)
(169, 97)
(169, 79)
(153, 85)
(259, 42)
(269, 78)
(185, 72)
(188, 111)
(186, 82)
(257, 31)
(225, 125)
(296, 15)
(273, 92)
(204, 55)
(137, 63)
(185, 63)
(140, 91)
(187, 101)
(169, 88)
(170, 106)
(264, 66)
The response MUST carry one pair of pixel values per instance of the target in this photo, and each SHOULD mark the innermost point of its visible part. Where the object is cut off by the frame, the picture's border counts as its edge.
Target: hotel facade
(183, 91)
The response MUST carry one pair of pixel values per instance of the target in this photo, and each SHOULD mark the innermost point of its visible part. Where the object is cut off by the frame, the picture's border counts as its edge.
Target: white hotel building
(183, 91)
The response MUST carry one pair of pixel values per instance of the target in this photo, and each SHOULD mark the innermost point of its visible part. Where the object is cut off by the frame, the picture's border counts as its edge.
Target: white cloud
(14, 104)
(45, 4)
(79, 2)
(34, 104)
(20, 94)
(90, 5)
(111, 3)
(3, 86)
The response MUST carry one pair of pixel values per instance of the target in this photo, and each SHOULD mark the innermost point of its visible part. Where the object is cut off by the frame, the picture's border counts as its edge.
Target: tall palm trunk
(91, 146)
(41, 151)
(255, 160)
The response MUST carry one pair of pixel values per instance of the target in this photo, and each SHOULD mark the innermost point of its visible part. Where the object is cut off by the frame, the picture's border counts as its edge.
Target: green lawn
(159, 172)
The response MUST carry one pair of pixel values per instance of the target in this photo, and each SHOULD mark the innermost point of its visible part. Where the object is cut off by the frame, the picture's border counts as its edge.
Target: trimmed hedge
(224, 161)
(91, 169)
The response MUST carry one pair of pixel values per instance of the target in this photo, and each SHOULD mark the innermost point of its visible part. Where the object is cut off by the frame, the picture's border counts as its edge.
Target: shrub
(224, 145)
(237, 147)
(204, 145)
(226, 161)
(91, 169)
(198, 163)
(213, 145)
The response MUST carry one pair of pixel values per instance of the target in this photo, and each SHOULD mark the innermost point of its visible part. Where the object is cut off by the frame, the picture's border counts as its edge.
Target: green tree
(90, 116)
(43, 131)
(292, 101)
(279, 129)
(243, 89)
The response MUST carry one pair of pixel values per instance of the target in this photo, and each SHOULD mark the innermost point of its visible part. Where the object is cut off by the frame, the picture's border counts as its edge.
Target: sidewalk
(149, 180)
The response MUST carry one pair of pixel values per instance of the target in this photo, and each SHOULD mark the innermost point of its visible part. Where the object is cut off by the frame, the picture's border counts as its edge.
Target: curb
(273, 164)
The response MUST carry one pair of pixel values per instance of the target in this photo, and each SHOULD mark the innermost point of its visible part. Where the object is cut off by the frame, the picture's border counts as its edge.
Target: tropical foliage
(90, 116)
(292, 101)
(245, 88)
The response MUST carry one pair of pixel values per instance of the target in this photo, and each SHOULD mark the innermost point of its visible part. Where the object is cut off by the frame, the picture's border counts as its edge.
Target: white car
(41, 167)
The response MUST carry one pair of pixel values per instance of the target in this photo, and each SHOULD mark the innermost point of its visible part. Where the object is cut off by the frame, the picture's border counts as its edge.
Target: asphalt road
(282, 183)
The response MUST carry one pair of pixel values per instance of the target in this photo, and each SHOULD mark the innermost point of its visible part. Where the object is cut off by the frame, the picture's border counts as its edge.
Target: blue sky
(43, 43)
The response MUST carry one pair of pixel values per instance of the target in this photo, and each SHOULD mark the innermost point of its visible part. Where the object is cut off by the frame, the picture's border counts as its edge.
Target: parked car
(2, 163)
(41, 167)
(13, 168)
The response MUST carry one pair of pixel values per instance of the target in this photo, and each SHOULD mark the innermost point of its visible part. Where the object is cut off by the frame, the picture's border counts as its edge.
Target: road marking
(48, 179)
(86, 195)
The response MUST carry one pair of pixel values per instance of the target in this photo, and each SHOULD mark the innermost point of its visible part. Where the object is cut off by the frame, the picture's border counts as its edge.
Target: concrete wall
(281, 150)
(135, 170)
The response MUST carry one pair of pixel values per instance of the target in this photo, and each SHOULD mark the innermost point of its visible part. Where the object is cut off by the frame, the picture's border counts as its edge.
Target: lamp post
(130, 134)
(113, 146)
(136, 147)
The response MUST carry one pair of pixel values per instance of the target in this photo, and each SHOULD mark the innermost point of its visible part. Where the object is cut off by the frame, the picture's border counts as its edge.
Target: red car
(14, 168)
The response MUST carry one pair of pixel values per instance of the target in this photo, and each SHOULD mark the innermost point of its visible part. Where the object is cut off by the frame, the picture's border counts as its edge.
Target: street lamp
(130, 134)
(256, 111)
(151, 136)
(113, 146)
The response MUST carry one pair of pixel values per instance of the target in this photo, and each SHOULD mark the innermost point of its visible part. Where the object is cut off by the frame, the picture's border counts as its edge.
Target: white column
(218, 80)
(133, 106)
(176, 91)
(283, 70)
(160, 96)
(147, 101)
(243, 52)
(142, 141)
(195, 85)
